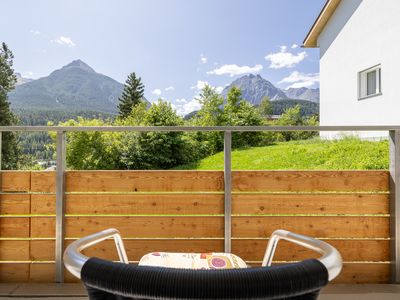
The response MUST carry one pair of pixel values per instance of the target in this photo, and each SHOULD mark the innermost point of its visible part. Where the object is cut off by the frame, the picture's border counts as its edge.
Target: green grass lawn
(345, 154)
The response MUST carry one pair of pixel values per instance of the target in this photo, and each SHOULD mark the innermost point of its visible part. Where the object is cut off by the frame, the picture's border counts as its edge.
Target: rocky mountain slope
(303, 93)
(255, 87)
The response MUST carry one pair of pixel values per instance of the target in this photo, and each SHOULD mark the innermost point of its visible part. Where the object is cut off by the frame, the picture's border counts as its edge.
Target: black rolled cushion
(109, 280)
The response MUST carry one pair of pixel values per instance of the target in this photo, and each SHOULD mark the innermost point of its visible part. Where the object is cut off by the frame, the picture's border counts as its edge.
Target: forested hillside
(307, 108)
(37, 144)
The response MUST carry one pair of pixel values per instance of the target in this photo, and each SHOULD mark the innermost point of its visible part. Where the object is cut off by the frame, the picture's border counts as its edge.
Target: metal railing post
(227, 190)
(394, 168)
(60, 193)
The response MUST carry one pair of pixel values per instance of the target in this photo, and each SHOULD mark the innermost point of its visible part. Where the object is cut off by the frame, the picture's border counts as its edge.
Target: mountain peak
(254, 88)
(79, 64)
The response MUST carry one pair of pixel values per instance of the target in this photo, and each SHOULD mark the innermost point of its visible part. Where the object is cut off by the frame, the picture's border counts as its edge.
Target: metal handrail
(331, 258)
(74, 259)
(198, 128)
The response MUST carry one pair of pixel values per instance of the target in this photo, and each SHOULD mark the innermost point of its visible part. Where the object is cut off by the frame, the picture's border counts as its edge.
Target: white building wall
(359, 35)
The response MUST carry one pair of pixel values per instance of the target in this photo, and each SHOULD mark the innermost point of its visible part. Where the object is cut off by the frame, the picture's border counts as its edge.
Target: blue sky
(174, 45)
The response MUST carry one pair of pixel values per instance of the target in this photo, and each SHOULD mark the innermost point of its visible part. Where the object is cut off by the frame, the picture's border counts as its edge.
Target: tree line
(165, 150)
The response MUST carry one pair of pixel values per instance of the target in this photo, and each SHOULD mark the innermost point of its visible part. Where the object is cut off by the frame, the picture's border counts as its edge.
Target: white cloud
(233, 70)
(183, 106)
(35, 32)
(65, 41)
(200, 85)
(170, 88)
(284, 59)
(203, 59)
(219, 89)
(298, 79)
(156, 92)
(294, 46)
(27, 74)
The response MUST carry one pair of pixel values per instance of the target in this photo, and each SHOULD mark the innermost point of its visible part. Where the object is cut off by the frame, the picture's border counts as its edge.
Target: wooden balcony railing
(184, 211)
(201, 211)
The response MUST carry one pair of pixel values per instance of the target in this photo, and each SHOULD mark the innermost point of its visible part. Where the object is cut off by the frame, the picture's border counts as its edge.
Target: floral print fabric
(193, 260)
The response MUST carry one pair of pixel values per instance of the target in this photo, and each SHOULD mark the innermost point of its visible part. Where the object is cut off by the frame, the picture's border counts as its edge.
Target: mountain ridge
(303, 93)
(75, 86)
(21, 79)
(78, 87)
(255, 87)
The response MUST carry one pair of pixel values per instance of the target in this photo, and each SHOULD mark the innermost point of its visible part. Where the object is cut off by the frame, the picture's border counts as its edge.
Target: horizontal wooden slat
(364, 273)
(45, 272)
(15, 181)
(132, 181)
(310, 181)
(131, 204)
(14, 251)
(44, 249)
(14, 272)
(351, 250)
(43, 181)
(196, 181)
(18, 204)
(132, 226)
(310, 204)
(200, 204)
(14, 227)
(42, 272)
(144, 181)
(320, 227)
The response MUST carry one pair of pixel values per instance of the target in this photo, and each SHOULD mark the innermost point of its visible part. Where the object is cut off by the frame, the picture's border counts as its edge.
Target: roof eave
(324, 16)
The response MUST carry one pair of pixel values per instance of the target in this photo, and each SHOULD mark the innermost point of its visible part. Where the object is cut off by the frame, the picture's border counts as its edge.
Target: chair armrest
(330, 258)
(74, 259)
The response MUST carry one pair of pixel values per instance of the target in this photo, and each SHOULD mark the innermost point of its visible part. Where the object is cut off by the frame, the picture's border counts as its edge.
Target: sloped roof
(327, 11)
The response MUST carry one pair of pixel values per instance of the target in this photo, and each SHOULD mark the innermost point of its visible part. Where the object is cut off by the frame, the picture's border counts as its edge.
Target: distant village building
(359, 43)
(274, 117)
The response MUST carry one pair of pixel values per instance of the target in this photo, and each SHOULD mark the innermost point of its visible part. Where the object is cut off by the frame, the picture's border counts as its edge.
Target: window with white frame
(369, 82)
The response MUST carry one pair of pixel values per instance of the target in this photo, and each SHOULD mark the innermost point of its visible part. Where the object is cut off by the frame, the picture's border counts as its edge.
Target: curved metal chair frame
(94, 273)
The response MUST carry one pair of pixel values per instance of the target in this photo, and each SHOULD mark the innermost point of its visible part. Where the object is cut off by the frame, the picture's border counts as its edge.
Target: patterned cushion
(193, 260)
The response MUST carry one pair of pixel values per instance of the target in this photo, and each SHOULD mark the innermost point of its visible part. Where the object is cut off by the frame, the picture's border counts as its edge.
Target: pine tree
(9, 150)
(131, 96)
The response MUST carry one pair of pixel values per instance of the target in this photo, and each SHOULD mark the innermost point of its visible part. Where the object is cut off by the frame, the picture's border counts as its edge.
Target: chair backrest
(109, 280)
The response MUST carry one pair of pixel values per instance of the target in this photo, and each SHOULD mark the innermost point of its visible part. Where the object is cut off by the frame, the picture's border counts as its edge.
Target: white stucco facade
(360, 34)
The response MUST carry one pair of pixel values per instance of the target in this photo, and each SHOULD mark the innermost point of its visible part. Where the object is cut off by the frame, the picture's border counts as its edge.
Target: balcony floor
(76, 291)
